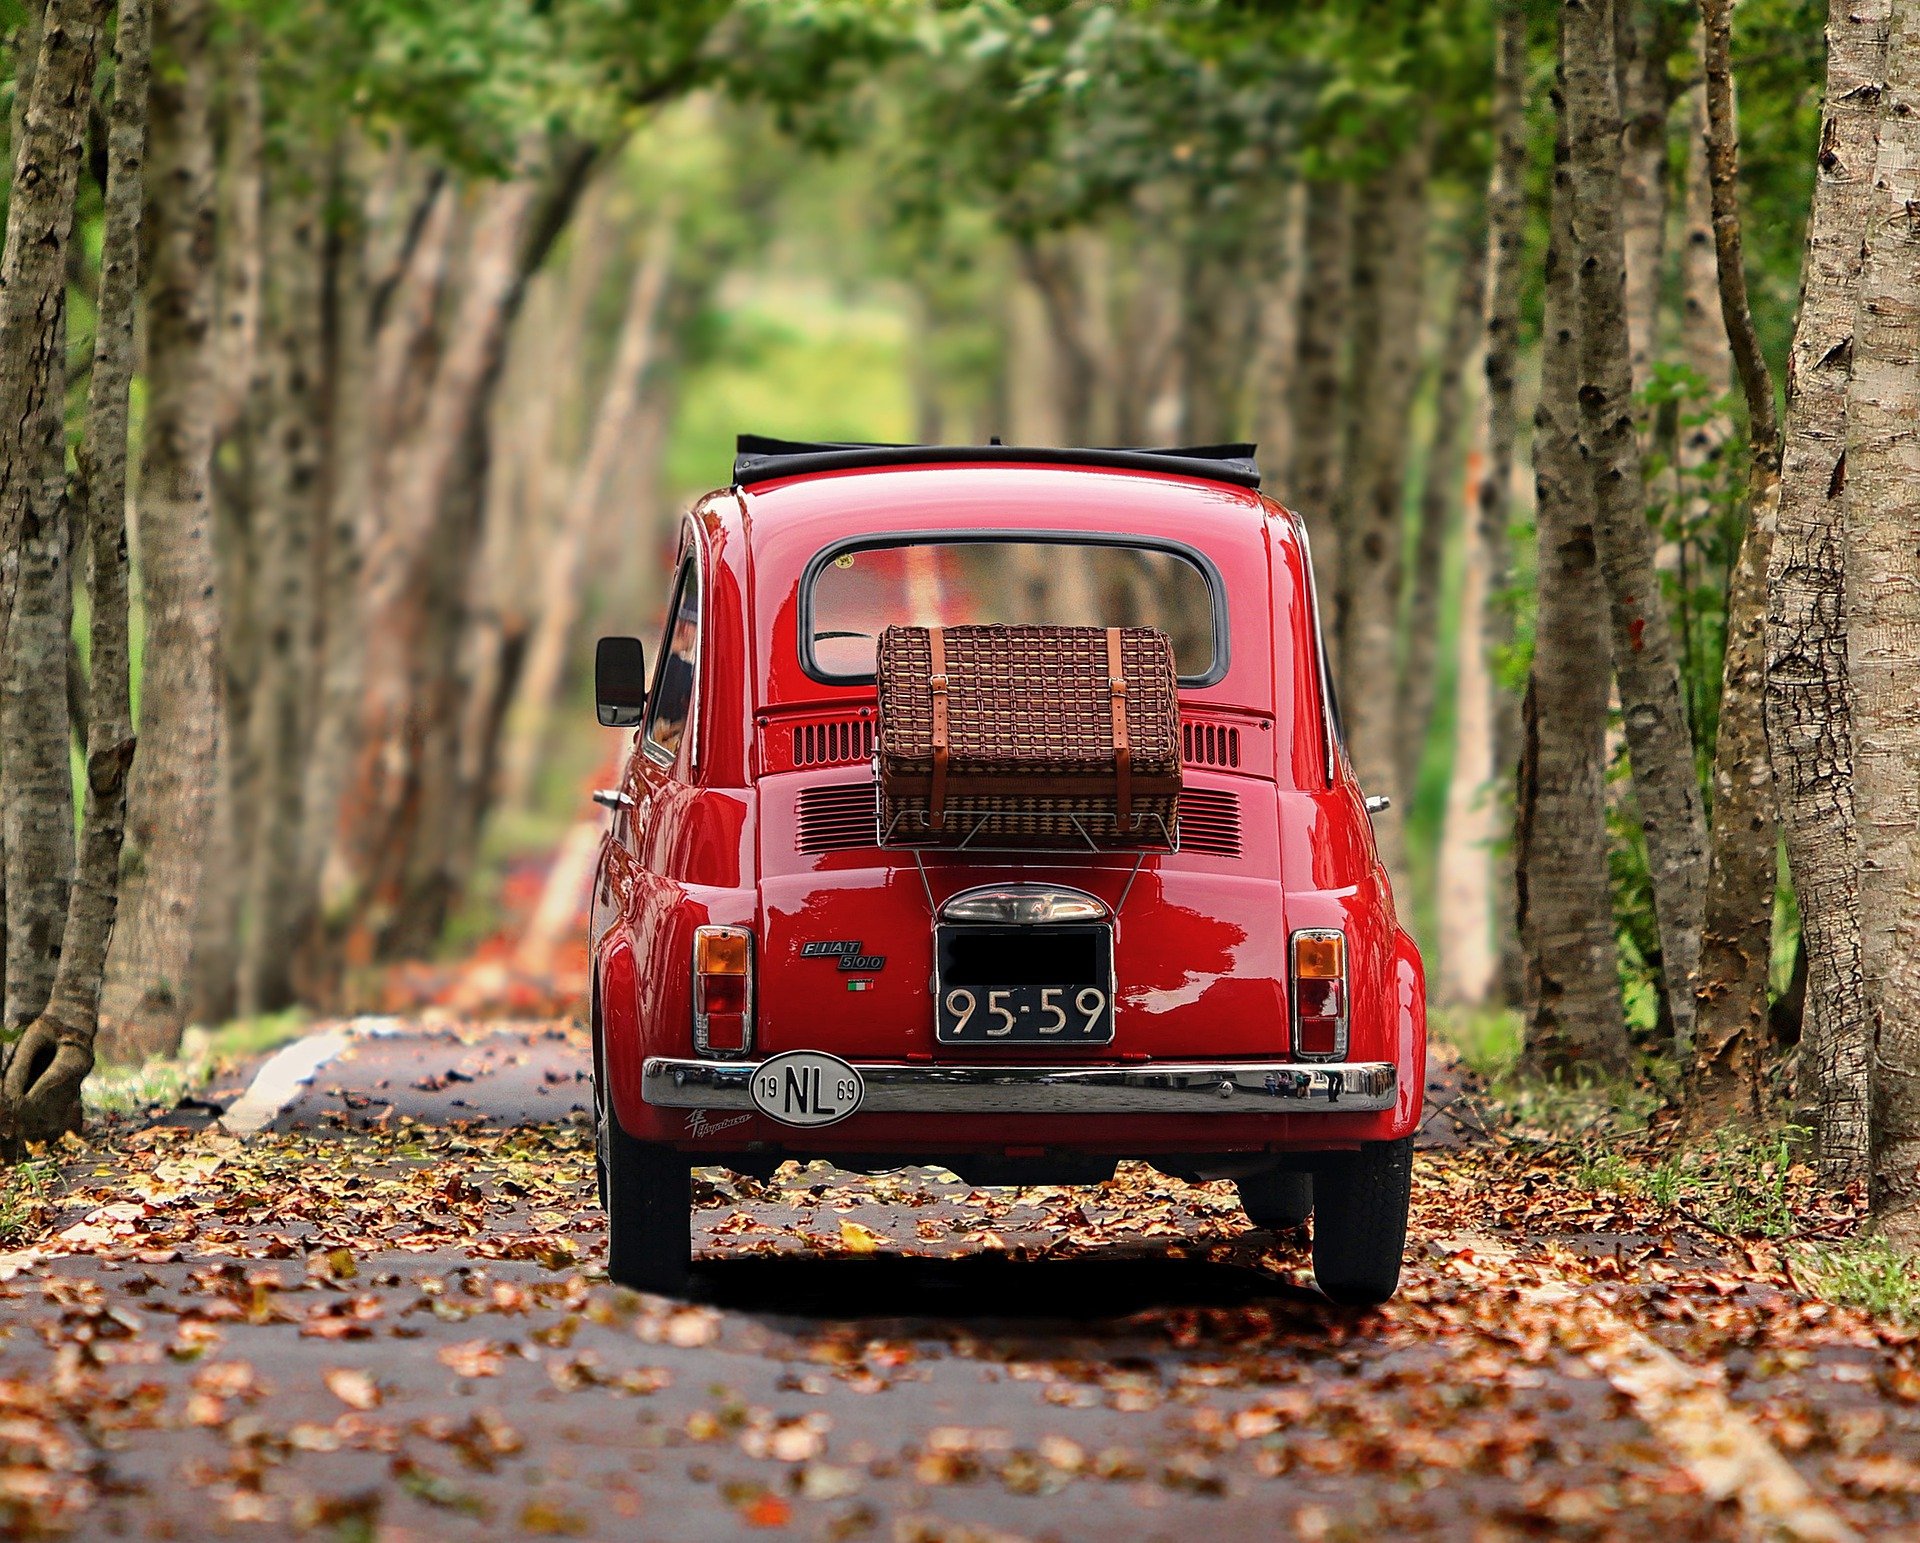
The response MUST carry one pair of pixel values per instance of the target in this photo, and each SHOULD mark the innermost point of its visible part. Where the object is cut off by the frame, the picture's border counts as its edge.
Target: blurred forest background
(413, 324)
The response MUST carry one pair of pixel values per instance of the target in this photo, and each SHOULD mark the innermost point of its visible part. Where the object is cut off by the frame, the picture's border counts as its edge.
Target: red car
(771, 981)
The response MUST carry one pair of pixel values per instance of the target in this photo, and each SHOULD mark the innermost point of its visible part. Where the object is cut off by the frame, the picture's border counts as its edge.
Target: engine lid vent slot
(1210, 822)
(832, 741)
(1210, 744)
(836, 818)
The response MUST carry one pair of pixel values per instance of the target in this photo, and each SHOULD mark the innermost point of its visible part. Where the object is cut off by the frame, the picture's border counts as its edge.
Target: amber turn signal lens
(720, 953)
(1319, 956)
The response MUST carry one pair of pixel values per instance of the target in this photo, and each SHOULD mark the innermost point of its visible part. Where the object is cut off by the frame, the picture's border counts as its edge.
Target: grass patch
(1744, 1184)
(204, 1054)
(24, 1188)
(1868, 1273)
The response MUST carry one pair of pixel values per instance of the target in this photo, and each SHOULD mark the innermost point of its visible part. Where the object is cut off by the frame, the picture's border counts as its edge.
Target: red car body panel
(715, 835)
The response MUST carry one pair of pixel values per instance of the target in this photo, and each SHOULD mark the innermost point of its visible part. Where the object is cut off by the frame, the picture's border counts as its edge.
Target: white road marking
(289, 1069)
(1723, 1450)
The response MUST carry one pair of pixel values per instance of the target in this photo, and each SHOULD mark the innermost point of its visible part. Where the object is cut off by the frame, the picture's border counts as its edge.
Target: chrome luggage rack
(884, 835)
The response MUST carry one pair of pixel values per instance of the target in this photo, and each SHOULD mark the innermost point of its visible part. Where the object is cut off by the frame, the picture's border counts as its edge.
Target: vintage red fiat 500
(773, 978)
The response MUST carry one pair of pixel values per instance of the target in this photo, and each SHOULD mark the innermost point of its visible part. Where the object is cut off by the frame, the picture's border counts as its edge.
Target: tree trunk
(36, 777)
(1737, 944)
(1809, 717)
(240, 422)
(562, 573)
(1313, 479)
(40, 1096)
(1472, 827)
(1506, 282)
(1562, 883)
(288, 532)
(1882, 502)
(1659, 739)
(404, 664)
(1217, 318)
(1644, 43)
(1389, 237)
(382, 303)
(46, 172)
(1052, 265)
(171, 791)
(1440, 500)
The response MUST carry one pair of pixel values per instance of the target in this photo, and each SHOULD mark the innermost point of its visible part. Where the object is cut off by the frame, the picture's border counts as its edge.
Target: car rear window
(854, 590)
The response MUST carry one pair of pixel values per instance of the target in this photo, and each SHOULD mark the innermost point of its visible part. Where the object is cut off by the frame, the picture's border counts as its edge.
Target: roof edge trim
(759, 459)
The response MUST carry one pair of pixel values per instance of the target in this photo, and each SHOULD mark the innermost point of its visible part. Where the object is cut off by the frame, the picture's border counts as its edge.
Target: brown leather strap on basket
(1122, 750)
(937, 680)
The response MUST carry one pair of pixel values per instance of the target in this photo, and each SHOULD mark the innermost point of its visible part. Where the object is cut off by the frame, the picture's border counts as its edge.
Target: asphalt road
(195, 1355)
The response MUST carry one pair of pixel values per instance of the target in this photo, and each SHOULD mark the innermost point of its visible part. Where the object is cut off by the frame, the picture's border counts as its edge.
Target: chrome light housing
(1020, 905)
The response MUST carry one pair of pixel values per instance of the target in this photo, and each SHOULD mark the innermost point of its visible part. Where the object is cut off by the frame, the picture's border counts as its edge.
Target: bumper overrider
(1235, 1087)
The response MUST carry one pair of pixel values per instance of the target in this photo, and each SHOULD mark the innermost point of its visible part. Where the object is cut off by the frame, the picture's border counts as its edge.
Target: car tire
(1278, 1199)
(1360, 1222)
(649, 1203)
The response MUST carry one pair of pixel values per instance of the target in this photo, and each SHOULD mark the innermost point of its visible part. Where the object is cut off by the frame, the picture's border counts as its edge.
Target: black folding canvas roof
(759, 459)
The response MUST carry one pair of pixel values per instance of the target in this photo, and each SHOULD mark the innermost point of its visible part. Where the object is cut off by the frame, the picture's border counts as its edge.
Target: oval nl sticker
(807, 1087)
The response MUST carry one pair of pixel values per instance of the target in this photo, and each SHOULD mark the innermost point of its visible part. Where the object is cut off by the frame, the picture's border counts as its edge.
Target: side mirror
(620, 682)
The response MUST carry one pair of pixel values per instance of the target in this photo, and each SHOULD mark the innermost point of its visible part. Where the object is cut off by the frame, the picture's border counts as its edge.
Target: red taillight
(722, 990)
(1319, 993)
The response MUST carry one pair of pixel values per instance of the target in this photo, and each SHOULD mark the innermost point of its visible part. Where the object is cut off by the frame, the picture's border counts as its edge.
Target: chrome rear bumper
(1232, 1087)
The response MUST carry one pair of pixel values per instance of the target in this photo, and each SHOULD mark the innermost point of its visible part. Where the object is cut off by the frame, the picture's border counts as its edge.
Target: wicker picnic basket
(1028, 737)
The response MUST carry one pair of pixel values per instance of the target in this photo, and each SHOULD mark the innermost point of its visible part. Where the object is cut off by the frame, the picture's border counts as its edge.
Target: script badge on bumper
(806, 1087)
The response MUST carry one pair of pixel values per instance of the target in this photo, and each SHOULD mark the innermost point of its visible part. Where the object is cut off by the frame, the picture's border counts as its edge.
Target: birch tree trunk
(288, 533)
(1562, 884)
(1659, 740)
(1882, 504)
(1313, 479)
(562, 575)
(1389, 235)
(1440, 500)
(1737, 944)
(1506, 280)
(40, 1092)
(46, 172)
(1809, 715)
(171, 790)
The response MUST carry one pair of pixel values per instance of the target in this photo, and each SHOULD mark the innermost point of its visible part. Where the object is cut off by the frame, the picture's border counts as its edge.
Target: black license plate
(1046, 985)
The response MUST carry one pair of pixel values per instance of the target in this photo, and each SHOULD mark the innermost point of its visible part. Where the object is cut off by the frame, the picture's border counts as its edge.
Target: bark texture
(172, 788)
(1809, 720)
(36, 781)
(1659, 740)
(1313, 480)
(1737, 943)
(1440, 502)
(1573, 1008)
(48, 150)
(1388, 237)
(1882, 502)
(40, 1095)
(1506, 280)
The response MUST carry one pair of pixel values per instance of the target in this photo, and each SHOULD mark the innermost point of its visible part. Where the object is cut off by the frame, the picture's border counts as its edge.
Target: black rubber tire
(649, 1213)
(1278, 1199)
(1360, 1222)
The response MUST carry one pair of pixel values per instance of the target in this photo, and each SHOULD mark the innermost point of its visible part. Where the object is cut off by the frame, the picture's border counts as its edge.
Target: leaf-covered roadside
(403, 1328)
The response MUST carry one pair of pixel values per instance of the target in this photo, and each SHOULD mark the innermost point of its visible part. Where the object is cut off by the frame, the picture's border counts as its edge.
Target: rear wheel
(649, 1203)
(1277, 1199)
(1360, 1222)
